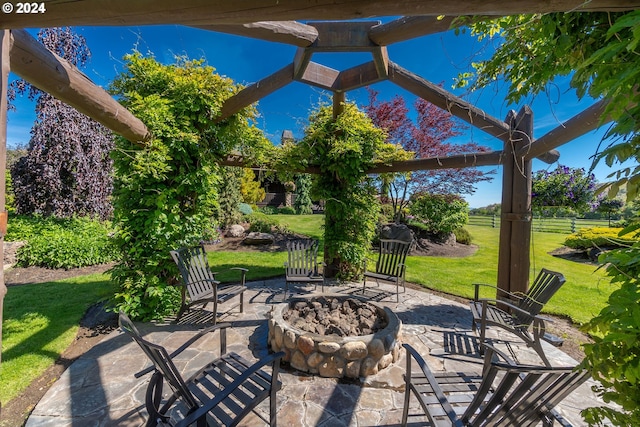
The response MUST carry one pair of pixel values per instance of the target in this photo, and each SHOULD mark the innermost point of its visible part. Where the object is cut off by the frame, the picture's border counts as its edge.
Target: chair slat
(200, 284)
(223, 391)
(389, 265)
(506, 394)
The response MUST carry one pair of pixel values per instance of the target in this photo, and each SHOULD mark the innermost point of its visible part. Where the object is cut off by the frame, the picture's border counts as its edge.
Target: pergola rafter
(276, 22)
(209, 12)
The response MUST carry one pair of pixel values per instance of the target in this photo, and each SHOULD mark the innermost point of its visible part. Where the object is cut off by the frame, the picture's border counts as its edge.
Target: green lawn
(40, 322)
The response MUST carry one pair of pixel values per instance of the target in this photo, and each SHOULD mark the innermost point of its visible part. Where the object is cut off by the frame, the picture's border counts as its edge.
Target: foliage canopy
(598, 50)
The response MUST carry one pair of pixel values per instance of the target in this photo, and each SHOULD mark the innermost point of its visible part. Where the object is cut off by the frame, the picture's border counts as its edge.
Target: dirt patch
(575, 255)
(28, 275)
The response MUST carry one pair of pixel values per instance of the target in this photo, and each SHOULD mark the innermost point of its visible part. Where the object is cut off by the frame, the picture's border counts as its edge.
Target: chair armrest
(507, 295)
(212, 281)
(243, 273)
(537, 323)
(437, 390)
(223, 331)
(223, 394)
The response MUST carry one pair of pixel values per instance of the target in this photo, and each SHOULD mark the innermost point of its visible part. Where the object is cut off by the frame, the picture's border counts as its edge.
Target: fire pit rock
(335, 336)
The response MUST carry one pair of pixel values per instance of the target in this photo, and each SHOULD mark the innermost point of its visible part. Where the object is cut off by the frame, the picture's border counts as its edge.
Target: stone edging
(332, 356)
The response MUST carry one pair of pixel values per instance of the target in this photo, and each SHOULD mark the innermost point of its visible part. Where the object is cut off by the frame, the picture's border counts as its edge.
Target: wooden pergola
(279, 22)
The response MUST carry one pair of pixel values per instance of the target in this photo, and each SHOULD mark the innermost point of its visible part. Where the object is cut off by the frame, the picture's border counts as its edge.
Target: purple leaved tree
(67, 170)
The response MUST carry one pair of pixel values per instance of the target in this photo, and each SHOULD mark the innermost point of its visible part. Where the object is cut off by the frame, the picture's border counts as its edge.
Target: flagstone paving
(99, 389)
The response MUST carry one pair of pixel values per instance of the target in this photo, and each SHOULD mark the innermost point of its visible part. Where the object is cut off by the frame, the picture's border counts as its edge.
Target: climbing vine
(165, 189)
(343, 148)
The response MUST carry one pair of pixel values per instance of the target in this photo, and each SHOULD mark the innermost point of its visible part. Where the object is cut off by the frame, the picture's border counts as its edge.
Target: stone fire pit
(335, 335)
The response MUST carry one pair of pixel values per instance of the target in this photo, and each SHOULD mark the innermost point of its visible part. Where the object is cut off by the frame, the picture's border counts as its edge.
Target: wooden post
(515, 225)
(4, 80)
(338, 104)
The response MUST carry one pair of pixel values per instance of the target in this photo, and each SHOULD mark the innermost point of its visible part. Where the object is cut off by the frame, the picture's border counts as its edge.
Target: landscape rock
(236, 230)
(256, 238)
(397, 232)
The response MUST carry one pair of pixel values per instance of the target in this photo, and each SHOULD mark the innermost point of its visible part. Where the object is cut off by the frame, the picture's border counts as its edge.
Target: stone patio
(99, 389)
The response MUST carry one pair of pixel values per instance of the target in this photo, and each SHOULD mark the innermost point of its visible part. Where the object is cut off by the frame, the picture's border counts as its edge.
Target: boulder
(236, 230)
(396, 232)
(256, 238)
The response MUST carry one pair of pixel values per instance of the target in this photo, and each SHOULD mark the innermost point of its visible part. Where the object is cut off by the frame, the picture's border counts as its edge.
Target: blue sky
(438, 58)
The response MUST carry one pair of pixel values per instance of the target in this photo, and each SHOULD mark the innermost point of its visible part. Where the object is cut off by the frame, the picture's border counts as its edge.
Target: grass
(40, 322)
(581, 297)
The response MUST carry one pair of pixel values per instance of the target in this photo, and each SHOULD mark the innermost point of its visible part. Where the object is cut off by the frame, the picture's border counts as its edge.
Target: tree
(426, 138)
(303, 202)
(598, 50)
(229, 195)
(67, 170)
(250, 188)
(563, 187)
(610, 206)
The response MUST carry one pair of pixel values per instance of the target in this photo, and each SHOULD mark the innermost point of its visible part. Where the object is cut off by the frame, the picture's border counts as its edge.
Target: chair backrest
(194, 269)
(540, 292)
(160, 359)
(523, 395)
(391, 254)
(302, 257)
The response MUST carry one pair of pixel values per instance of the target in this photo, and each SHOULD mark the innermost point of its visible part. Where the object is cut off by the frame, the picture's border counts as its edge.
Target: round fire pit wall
(332, 356)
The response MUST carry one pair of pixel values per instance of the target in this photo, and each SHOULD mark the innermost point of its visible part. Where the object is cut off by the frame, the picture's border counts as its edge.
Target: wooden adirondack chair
(505, 394)
(518, 314)
(390, 265)
(302, 264)
(221, 393)
(199, 282)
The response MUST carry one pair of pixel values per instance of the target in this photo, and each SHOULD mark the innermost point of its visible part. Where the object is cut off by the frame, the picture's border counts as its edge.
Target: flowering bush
(598, 237)
(563, 187)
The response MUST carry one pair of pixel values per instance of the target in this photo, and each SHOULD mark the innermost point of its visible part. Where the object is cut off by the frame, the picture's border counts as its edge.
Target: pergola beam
(256, 91)
(448, 102)
(573, 128)
(208, 12)
(409, 27)
(492, 158)
(457, 161)
(50, 73)
(289, 32)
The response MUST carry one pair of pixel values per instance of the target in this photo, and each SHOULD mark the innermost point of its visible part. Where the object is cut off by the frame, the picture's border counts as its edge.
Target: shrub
(261, 222)
(598, 237)
(287, 210)
(62, 243)
(269, 210)
(614, 357)
(303, 203)
(463, 236)
(245, 209)
(441, 213)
